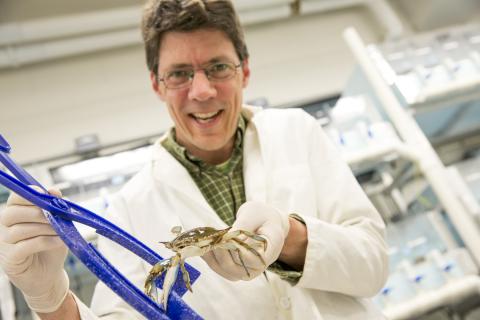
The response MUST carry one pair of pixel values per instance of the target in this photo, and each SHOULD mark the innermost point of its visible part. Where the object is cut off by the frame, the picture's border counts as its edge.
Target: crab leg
(230, 247)
(241, 260)
(157, 270)
(170, 278)
(186, 275)
(249, 248)
(236, 233)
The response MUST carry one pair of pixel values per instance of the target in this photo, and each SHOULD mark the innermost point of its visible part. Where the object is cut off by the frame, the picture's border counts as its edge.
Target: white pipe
(16, 56)
(430, 164)
(48, 39)
(68, 26)
(377, 152)
(328, 5)
(451, 293)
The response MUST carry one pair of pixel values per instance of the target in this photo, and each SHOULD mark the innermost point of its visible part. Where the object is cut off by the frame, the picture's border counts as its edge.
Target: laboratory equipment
(435, 259)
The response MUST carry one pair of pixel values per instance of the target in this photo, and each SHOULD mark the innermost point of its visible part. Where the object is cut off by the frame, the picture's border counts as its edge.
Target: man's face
(206, 112)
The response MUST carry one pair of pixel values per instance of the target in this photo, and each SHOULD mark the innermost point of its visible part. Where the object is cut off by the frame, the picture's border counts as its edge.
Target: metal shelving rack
(415, 147)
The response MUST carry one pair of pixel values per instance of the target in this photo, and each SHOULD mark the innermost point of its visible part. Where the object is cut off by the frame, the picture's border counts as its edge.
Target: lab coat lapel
(168, 171)
(253, 163)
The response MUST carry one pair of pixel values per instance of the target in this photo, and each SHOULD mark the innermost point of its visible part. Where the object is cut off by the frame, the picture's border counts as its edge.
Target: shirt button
(285, 302)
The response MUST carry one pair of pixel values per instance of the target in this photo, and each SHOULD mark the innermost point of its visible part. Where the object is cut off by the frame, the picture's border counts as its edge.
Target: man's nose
(201, 88)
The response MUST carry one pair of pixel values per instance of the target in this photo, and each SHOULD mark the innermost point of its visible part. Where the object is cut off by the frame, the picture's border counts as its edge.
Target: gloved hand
(258, 218)
(32, 255)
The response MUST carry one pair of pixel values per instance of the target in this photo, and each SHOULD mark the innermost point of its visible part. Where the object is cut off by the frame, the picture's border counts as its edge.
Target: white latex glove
(32, 255)
(262, 220)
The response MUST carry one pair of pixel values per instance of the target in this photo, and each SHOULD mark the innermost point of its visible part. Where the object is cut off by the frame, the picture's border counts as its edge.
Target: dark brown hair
(161, 16)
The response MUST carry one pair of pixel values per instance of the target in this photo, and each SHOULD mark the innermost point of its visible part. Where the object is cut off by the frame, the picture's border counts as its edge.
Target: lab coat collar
(169, 172)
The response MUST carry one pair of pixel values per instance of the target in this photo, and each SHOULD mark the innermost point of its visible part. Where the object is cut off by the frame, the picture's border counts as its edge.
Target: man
(270, 172)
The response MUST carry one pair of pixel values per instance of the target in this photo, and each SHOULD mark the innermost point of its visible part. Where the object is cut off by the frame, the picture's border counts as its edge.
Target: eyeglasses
(215, 72)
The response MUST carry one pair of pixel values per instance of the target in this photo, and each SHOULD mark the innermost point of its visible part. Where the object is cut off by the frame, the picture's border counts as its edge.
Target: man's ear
(159, 90)
(245, 72)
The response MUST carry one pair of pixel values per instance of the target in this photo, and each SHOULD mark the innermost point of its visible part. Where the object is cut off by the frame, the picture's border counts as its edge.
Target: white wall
(43, 107)
(306, 56)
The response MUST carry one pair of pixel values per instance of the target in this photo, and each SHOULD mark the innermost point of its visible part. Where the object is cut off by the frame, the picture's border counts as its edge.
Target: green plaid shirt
(222, 185)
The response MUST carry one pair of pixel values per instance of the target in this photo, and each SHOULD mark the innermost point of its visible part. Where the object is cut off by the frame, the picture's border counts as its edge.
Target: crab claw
(156, 272)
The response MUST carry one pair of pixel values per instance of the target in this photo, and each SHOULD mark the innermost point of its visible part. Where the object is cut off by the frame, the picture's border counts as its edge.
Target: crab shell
(196, 242)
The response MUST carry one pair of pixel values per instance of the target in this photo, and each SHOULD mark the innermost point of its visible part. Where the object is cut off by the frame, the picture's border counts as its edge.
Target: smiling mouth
(205, 117)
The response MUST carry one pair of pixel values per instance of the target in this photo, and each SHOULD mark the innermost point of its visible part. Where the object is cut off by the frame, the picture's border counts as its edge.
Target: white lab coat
(290, 164)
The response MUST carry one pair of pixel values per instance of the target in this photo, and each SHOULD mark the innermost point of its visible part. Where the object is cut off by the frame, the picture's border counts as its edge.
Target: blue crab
(197, 242)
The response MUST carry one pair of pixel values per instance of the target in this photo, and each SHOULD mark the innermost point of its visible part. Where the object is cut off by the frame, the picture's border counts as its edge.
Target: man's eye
(219, 67)
(178, 74)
